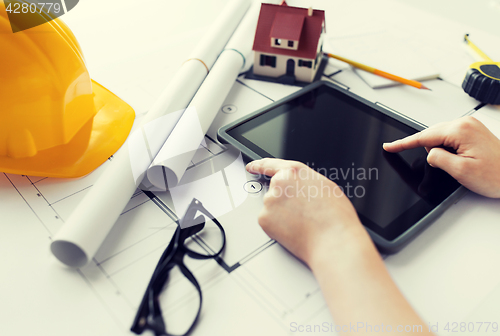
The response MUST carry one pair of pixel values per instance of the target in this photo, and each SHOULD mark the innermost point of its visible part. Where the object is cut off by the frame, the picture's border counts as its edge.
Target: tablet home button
(229, 109)
(253, 187)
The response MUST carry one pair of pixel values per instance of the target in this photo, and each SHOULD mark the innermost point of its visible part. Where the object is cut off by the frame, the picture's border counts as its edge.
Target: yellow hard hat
(54, 120)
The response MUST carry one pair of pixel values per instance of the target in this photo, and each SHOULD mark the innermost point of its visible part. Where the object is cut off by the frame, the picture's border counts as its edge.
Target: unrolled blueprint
(257, 287)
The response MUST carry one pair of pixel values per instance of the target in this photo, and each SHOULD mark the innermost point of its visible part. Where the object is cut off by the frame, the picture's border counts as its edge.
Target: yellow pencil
(378, 72)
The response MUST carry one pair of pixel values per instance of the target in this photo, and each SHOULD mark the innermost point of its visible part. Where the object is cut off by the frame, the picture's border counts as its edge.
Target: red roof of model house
(289, 23)
(287, 26)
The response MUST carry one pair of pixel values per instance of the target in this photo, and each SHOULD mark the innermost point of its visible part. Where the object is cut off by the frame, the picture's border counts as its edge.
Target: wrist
(339, 246)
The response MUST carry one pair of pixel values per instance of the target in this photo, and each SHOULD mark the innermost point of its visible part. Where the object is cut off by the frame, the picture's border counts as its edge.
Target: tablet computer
(340, 135)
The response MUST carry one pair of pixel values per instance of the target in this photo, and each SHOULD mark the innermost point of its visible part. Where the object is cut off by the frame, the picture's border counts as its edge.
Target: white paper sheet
(436, 40)
(390, 51)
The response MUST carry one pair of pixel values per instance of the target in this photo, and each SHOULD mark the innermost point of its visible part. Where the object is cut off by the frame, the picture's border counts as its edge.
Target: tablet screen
(341, 138)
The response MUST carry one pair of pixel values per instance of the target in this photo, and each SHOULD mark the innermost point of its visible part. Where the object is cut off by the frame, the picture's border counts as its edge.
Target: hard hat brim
(98, 140)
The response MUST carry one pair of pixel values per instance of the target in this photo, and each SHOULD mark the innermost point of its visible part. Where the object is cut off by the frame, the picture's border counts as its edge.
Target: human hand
(476, 164)
(320, 226)
(306, 212)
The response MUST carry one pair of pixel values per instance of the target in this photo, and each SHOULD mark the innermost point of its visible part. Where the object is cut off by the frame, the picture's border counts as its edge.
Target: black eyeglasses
(149, 316)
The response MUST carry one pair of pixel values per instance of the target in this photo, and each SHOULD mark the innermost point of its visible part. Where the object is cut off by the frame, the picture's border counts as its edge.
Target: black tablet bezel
(392, 237)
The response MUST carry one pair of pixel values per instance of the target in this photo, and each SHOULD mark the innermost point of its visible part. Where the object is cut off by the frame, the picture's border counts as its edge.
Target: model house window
(290, 44)
(277, 41)
(307, 64)
(266, 60)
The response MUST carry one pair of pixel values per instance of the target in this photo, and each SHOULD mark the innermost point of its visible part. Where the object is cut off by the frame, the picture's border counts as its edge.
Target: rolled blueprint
(178, 151)
(89, 224)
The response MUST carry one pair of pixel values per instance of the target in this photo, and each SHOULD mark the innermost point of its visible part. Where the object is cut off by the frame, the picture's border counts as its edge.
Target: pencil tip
(425, 88)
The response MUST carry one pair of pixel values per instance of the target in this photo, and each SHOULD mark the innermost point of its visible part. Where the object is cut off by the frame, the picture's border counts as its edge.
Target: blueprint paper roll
(89, 224)
(178, 151)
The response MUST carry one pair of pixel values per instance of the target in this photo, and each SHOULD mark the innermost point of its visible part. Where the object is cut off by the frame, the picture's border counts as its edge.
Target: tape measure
(482, 80)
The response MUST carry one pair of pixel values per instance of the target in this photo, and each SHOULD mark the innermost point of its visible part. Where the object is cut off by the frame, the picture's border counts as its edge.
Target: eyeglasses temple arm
(189, 218)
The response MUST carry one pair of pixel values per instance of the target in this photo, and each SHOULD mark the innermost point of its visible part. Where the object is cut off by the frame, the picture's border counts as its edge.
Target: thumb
(449, 162)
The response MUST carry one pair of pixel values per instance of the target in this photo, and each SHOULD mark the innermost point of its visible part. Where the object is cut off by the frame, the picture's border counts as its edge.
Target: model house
(288, 42)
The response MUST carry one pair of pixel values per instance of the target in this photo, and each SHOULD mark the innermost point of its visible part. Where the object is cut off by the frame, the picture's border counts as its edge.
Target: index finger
(431, 137)
(269, 166)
